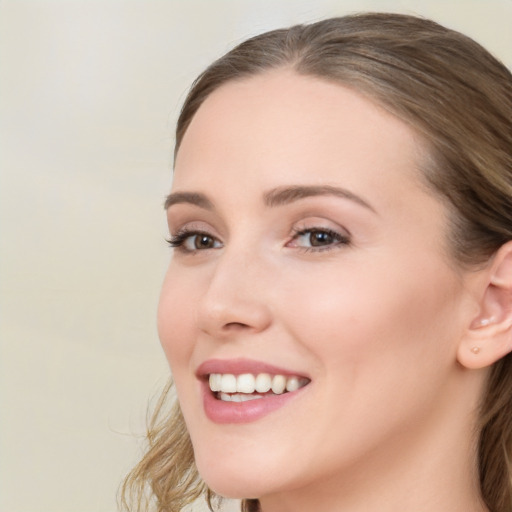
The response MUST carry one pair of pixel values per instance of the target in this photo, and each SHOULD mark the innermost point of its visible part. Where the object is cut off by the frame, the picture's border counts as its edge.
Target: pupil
(320, 238)
(204, 242)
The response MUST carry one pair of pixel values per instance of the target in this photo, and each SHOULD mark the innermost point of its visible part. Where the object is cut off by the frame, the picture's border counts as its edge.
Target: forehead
(280, 125)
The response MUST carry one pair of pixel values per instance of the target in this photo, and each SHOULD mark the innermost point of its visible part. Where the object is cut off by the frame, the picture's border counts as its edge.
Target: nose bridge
(236, 293)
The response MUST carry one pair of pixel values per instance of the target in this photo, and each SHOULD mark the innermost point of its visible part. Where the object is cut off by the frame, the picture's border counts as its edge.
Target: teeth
(228, 383)
(215, 381)
(243, 386)
(238, 397)
(263, 382)
(245, 383)
(278, 384)
(292, 384)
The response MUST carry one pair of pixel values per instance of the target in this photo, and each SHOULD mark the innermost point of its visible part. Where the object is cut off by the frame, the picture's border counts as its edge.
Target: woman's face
(309, 249)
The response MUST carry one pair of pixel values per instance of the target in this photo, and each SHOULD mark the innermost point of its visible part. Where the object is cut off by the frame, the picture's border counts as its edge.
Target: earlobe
(483, 346)
(489, 336)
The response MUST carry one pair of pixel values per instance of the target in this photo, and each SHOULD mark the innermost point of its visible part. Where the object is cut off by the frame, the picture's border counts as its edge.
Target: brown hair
(459, 98)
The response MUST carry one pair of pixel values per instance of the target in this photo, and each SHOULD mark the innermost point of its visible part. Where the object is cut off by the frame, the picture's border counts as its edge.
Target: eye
(192, 241)
(318, 239)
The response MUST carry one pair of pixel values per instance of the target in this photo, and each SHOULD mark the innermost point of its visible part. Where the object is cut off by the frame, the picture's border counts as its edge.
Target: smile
(247, 386)
(244, 390)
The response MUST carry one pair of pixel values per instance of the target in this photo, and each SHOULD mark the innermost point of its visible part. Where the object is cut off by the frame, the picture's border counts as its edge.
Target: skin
(374, 318)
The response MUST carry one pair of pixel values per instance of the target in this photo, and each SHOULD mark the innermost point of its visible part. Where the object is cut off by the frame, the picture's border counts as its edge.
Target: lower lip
(219, 411)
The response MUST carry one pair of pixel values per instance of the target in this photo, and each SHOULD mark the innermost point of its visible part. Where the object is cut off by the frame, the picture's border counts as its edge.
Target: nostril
(236, 326)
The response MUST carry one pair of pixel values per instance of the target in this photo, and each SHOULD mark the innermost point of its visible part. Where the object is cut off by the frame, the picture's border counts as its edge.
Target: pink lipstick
(242, 390)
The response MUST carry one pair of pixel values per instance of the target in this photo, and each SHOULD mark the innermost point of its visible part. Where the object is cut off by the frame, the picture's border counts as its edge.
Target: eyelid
(188, 225)
(341, 236)
(320, 223)
(178, 237)
(179, 242)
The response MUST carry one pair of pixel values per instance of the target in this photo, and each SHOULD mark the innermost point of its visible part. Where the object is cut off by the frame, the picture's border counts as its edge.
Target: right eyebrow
(194, 198)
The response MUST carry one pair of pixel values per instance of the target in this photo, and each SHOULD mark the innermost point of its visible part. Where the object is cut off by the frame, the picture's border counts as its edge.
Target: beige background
(89, 91)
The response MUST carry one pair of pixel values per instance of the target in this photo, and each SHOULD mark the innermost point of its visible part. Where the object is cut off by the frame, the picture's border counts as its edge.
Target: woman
(337, 312)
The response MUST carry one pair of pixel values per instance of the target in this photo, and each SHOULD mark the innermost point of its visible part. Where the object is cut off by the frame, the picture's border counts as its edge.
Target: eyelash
(178, 240)
(339, 240)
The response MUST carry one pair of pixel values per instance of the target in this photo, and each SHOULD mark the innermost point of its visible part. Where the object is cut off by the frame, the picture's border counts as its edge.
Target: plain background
(89, 93)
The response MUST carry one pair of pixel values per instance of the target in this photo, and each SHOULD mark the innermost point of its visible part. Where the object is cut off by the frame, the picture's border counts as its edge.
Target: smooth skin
(355, 289)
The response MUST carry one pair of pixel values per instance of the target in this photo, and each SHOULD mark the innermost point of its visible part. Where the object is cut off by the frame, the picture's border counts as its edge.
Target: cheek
(379, 355)
(364, 317)
(176, 330)
(176, 320)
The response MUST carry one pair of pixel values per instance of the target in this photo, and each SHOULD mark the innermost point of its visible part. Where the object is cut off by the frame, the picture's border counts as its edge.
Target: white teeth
(292, 384)
(263, 382)
(278, 384)
(228, 383)
(238, 397)
(215, 381)
(246, 384)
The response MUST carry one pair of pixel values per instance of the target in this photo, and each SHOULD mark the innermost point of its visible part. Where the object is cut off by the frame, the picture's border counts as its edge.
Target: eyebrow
(276, 197)
(194, 198)
(285, 195)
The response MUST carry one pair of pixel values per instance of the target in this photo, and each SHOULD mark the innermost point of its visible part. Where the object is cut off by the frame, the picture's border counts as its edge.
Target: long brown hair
(459, 98)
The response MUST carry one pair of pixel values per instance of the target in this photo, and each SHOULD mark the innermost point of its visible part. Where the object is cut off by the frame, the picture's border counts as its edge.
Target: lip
(240, 366)
(242, 412)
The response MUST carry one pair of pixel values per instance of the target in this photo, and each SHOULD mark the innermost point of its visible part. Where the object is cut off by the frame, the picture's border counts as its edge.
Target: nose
(235, 299)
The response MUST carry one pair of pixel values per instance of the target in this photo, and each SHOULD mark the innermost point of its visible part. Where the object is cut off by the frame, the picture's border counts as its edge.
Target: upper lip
(240, 366)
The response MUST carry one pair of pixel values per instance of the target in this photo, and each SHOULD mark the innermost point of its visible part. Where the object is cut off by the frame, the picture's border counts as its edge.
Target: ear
(489, 337)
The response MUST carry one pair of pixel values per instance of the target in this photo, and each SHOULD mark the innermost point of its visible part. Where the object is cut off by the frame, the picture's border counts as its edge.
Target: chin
(233, 488)
(236, 481)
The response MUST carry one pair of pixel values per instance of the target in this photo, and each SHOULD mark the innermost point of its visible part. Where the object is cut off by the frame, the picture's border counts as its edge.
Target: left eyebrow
(285, 195)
